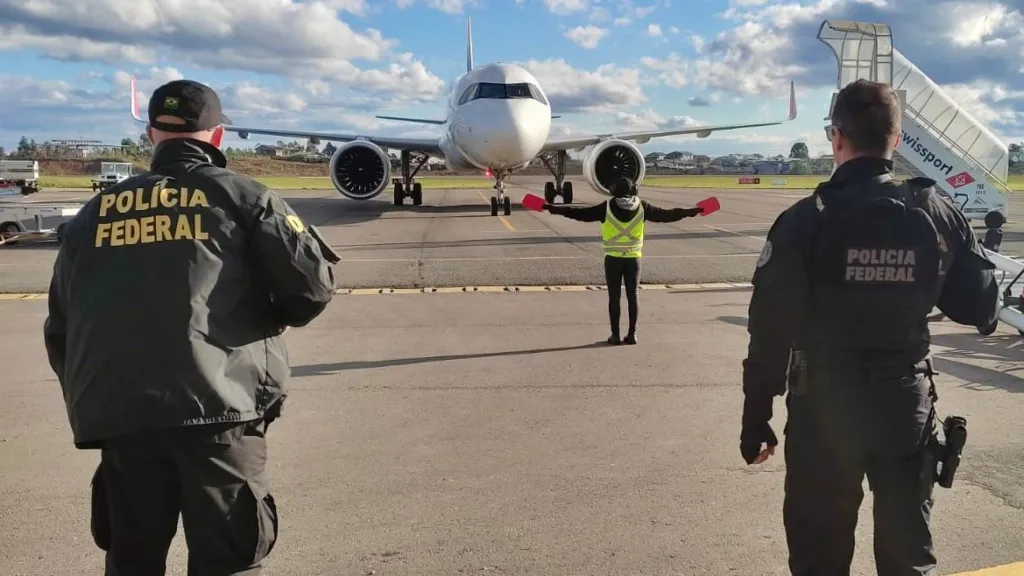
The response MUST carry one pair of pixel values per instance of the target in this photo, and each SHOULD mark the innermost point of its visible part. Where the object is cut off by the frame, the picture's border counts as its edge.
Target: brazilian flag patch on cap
(171, 103)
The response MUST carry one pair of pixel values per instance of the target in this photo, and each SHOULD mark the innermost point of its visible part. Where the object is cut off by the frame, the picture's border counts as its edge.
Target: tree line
(129, 149)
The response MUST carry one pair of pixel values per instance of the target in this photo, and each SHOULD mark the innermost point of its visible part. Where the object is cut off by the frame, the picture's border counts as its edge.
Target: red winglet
(709, 205)
(535, 203)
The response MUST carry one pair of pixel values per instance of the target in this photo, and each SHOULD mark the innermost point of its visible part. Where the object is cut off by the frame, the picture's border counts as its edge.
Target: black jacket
(781, 281)
(596, 212)
(169, 295)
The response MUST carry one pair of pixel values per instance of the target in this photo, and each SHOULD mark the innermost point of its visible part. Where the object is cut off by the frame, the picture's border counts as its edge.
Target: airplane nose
(509, 133)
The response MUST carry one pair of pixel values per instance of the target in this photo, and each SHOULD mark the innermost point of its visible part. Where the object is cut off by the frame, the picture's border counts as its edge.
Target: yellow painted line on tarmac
(708, 287)
(1016, 569)
(501, 217)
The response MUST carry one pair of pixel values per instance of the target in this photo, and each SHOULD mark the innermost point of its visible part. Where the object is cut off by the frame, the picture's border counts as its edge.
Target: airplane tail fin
(792, 100)
(469, 44)
(135, 103)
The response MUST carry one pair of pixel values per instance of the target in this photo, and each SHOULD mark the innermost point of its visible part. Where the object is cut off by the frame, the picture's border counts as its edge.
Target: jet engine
(360, 170)
(610, 160)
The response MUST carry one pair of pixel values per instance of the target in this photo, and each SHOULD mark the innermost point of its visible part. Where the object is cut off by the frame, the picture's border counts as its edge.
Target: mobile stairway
(940, 141)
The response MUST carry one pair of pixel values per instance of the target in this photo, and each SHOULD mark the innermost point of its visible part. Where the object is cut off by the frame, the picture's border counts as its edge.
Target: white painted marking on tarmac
(495, 258)
(512, 289)
(761, 238)
(517, 230)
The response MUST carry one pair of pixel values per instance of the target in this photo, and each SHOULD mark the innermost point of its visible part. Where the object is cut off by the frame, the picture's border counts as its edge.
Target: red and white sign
(960, 180)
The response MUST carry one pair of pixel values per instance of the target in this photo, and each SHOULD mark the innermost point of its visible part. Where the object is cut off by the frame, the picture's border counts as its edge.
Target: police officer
(842, 291)
(168, 298)
(622, 231)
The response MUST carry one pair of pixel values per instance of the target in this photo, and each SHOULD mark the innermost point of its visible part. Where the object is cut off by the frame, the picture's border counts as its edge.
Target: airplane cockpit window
(469, 94)
(492, 91)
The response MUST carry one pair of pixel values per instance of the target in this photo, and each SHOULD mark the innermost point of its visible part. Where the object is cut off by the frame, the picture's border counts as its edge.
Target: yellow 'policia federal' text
(154, 227)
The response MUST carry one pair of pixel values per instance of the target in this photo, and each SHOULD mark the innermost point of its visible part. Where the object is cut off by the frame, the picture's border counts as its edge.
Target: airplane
(498, 119)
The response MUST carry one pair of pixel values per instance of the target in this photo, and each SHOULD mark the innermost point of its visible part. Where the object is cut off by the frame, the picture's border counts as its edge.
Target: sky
(331, 65)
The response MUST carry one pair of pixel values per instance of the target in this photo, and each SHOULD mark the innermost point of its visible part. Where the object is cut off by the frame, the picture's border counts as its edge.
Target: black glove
(694, 212)
(751, 438)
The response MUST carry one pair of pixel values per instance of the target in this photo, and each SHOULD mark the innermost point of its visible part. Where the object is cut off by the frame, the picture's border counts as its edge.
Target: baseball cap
(197, 104)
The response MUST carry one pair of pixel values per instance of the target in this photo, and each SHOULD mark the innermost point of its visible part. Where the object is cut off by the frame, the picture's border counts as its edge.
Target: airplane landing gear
(406, 186)
(559, 187)
(499, 199)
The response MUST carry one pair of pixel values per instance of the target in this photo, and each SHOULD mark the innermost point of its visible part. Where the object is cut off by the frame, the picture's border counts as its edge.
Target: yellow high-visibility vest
(624, 240)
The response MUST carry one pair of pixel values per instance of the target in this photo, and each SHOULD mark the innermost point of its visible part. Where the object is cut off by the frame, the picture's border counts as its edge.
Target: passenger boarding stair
(940, 140)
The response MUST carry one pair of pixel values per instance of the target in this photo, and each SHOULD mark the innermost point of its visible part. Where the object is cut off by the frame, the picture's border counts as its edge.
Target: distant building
(80, 149)
(272, 151)
(772, 167)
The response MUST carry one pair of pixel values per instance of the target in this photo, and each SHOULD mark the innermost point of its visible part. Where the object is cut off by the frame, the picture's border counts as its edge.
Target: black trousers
(619, 271)
(213, 475)
(843, 425)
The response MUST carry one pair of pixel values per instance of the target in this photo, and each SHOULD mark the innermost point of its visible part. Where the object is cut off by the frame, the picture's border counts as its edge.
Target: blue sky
(606, 64)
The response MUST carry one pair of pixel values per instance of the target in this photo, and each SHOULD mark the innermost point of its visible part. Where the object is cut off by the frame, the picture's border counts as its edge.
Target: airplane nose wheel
(499, 200)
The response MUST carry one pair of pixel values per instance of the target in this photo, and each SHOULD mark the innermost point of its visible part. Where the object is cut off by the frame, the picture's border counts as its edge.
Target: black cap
(197, 104)
(623, 188)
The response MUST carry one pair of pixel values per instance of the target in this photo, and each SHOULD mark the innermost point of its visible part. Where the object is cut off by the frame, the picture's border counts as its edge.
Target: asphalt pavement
(490, 432)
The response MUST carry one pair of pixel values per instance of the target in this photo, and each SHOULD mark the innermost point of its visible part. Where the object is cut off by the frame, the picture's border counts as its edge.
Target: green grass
(1016, 182)
(731, 181)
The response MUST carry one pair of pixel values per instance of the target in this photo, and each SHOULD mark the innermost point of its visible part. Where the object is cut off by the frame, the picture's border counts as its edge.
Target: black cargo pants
(844, 424)
(213, 475)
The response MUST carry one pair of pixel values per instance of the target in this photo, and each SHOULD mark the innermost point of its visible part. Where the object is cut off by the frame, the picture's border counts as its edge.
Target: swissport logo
(960, 180)
(927, 156)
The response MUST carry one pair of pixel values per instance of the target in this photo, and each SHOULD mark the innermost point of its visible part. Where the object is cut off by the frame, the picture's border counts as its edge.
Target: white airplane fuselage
(498, 117)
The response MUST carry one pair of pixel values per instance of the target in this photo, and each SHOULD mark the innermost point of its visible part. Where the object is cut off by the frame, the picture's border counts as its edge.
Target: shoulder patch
(295, 223)
(766, 254)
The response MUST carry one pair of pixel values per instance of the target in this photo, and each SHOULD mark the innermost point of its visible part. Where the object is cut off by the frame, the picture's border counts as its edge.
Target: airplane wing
(426, 145)
(642, 137)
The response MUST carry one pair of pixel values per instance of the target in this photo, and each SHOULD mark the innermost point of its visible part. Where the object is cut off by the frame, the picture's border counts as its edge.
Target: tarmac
(454, 411)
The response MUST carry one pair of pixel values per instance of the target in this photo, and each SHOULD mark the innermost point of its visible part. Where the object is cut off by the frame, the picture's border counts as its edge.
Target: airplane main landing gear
(406, 186)
(499, 199)
(559, 187)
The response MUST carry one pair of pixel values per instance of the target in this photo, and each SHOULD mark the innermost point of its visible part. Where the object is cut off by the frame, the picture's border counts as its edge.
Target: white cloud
(572, 90)
(673, 71)
(973, 48)
(599, 14)
(654, 30)
(587, 36)
(447, 6)
(650, 120)
(302, 40)
(566, 6)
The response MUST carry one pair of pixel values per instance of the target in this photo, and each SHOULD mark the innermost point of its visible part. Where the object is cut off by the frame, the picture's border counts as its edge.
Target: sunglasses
(831, 130)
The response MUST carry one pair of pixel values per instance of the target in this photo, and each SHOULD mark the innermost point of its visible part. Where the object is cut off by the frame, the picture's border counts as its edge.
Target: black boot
(614, 339)
(631, 337)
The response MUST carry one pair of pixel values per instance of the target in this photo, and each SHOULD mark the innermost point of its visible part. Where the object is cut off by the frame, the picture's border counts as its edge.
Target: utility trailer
(19, 177)
(23, 220)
